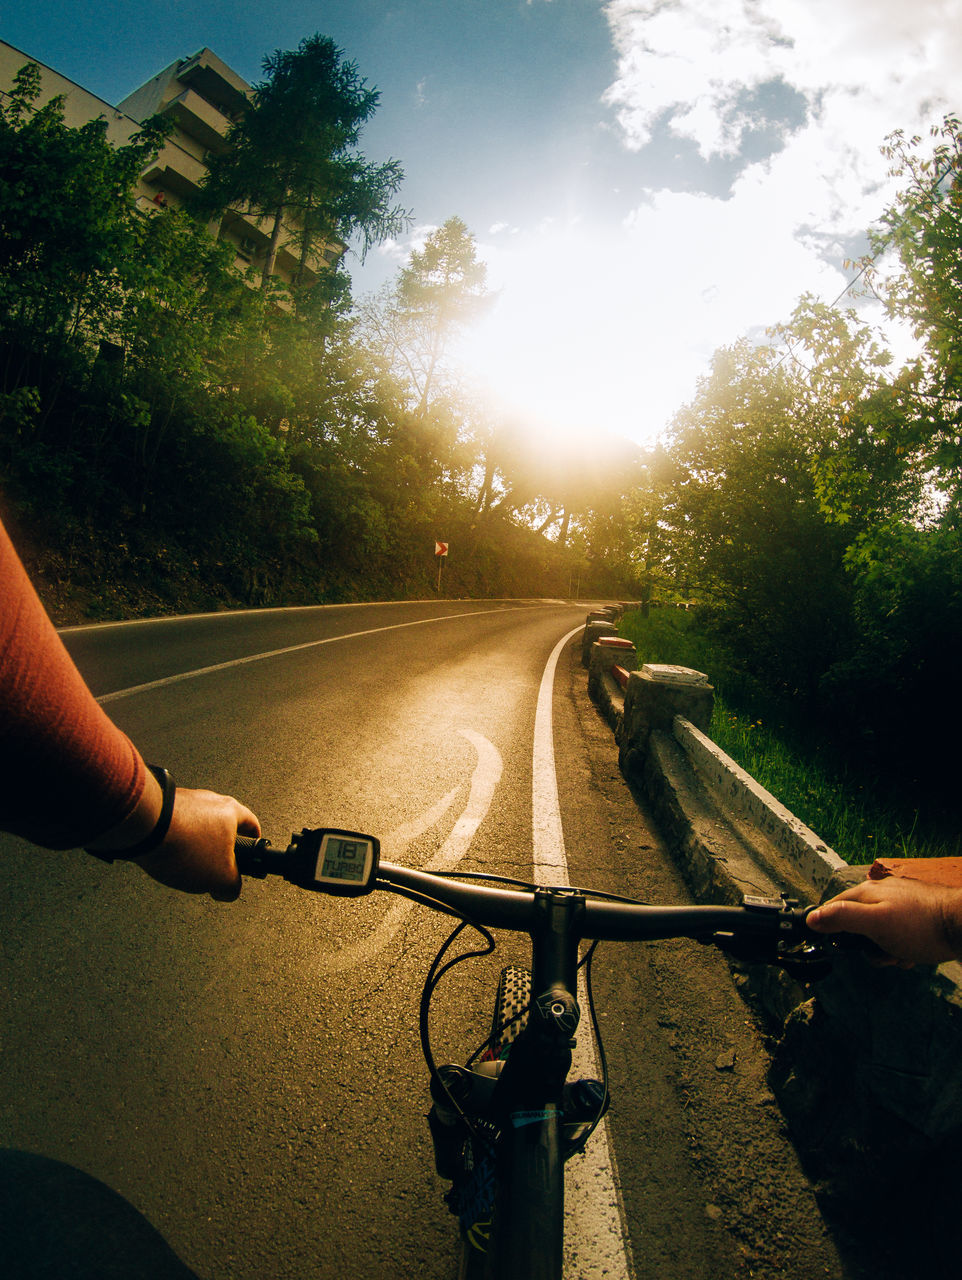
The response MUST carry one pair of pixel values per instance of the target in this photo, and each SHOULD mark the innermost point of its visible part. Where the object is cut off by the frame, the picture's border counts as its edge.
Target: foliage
(746, 526)
(123, 340)
(809, 500)
(292, 157)
(858, 822)
(439, 293)
(898, 682)
(800, 768)
(163, 423)
(413, 325)
(670, 635)
(867, 467)
(66, 215)
(922, 288)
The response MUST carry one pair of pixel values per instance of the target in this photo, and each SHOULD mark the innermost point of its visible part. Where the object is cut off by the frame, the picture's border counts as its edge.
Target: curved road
(248, 1075)
(233, 1070)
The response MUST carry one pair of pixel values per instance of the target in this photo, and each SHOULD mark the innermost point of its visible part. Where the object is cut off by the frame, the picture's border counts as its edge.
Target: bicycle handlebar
(765, 929)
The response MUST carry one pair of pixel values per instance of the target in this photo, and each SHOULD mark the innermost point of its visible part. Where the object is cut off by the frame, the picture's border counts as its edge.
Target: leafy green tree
(439, 293)
(746, 525)
(867, 463)
(893, 471)
(185, 325)
(293, 157)
(124, 338)
(924, 229)
(630, 532)
(561, 483)
(66, 216)
(414, 325)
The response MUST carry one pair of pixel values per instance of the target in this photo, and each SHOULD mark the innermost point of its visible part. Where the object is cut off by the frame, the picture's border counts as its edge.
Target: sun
(566, 352)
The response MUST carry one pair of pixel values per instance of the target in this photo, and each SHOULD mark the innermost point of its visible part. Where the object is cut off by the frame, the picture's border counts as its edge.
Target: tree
(924, 227)
(630, 532)
(892, 475)
(183, 325)
(414, 323)
(292, 157)
(746, 525)
(440, 293)
(868, 464)
(67, 215)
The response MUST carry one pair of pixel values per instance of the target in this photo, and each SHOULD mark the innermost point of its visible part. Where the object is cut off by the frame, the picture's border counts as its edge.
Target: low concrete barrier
(739, 794)
(611, 659)
(595, 629)
(868, 1068)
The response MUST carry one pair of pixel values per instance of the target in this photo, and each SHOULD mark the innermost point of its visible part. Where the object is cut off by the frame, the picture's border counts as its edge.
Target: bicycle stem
(528, 1100)
(555, 937)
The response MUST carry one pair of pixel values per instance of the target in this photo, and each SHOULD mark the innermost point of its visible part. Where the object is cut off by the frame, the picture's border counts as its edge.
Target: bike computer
(340, 862)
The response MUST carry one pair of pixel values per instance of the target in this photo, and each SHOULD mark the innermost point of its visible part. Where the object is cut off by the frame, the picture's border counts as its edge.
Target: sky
(646, 180)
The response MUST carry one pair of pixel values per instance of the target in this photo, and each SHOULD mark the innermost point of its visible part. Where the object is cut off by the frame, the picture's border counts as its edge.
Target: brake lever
(804, 956)
(848, 943)
(805, 960)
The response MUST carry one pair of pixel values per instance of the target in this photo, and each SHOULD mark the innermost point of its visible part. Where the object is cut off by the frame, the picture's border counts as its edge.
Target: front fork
(533, 1119)
(528, 1102)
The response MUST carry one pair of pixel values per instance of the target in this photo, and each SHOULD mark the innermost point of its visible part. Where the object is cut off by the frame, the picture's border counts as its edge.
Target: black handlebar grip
(254, 855)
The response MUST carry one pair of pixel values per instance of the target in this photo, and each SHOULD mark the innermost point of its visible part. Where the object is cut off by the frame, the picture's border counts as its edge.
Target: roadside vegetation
(807, 501)
(854, 811)
(176, 433)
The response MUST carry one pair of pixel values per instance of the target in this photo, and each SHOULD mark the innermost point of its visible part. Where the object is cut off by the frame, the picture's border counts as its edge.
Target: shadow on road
(58, 1222)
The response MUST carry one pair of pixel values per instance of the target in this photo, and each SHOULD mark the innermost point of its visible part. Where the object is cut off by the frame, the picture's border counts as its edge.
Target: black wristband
(161, 827)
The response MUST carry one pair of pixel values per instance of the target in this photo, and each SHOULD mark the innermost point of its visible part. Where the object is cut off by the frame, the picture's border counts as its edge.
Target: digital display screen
(344, 859)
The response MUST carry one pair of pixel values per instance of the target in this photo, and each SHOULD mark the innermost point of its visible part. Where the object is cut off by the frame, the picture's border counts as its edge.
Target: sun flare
(554, 362)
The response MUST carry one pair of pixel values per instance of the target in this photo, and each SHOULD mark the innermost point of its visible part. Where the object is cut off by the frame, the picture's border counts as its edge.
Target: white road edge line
(293, 648)
(596, 1243)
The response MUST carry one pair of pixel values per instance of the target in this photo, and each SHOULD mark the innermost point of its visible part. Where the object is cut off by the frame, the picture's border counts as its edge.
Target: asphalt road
(258, 1099)
(248, 1075)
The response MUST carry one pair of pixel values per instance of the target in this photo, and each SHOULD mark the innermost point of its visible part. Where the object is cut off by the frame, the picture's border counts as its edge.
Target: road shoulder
(711, 1184)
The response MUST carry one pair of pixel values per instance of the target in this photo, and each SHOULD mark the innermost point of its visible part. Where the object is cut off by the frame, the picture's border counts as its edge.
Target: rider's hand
(912, 922)
(197, 854)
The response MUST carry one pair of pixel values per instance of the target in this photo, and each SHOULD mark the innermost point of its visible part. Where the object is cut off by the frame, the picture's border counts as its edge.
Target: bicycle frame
(526, 1240)
(525, 1109)
(528, 1235)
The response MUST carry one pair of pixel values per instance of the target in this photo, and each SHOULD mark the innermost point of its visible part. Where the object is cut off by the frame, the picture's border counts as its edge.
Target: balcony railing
(199, 118)
(214, 81)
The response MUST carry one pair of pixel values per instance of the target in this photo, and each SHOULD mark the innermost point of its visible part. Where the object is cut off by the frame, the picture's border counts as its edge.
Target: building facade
(202, 97)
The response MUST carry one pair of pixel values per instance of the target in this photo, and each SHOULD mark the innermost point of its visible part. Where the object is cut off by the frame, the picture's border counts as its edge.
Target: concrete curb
(739, 793)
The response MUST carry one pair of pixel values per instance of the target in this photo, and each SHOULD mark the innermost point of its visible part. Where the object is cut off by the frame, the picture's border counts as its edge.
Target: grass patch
(842, 810)
(668, 635)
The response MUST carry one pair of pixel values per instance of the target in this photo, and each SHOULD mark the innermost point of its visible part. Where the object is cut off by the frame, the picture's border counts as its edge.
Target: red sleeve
(67, 773)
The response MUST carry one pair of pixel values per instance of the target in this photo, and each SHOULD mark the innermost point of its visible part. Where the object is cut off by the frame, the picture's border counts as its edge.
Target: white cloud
(863, 67)
(614, 330)
(611, 328)
(877, 62)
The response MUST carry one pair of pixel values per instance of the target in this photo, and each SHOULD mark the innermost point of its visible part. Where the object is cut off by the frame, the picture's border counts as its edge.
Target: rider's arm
(911, 921)
(70, 777)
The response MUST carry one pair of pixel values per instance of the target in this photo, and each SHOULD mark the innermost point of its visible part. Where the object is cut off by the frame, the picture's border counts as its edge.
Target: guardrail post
(655, 695)
(595, 628)
(607, 653)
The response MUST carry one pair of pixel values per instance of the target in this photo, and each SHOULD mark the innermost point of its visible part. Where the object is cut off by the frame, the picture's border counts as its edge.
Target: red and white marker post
(440, 550)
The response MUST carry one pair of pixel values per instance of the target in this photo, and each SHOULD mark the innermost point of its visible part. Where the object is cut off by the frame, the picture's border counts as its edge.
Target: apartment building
(201, 96)
(79, 105)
